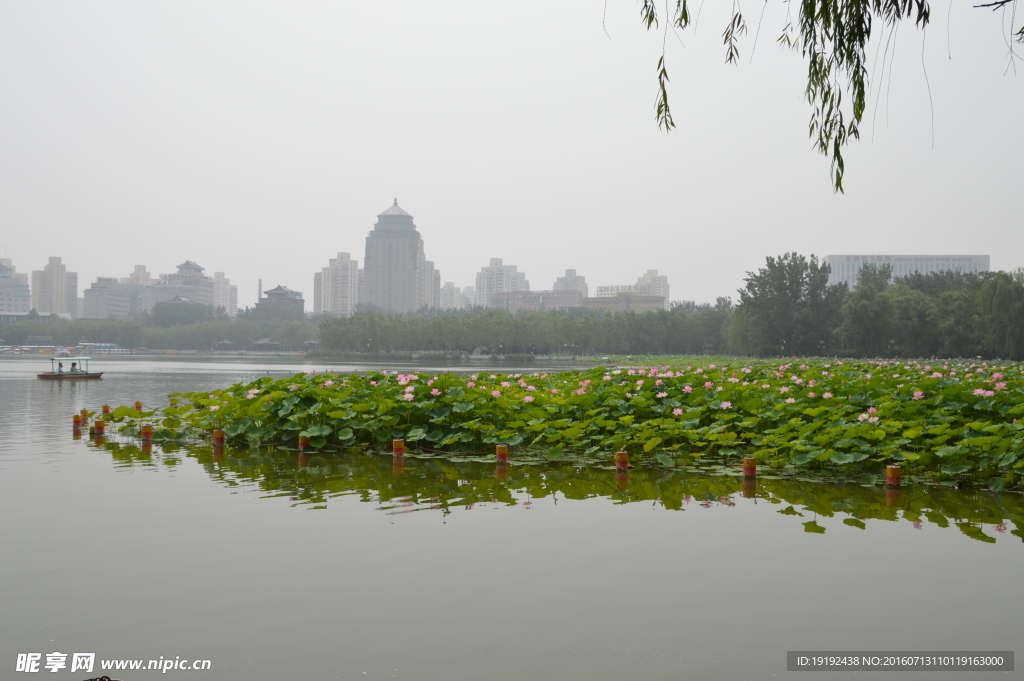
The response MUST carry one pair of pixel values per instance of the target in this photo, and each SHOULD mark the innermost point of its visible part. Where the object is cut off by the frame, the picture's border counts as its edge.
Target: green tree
(1002, 314)
(791, 308)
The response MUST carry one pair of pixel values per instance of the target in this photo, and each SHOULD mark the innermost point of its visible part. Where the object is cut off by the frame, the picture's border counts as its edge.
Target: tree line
(788, 308)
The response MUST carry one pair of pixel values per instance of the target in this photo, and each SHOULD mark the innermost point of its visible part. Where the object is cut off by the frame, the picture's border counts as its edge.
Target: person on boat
(74, 369)
(60, 367)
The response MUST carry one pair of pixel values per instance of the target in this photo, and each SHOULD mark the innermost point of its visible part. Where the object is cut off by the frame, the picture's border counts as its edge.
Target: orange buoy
(99, 426)
(622, 459)
(398, 447)
(501, 453)
(106, 408)
(147, 432)
(138, 406)
(303, 442)
(218, 437)
(76, 421)
(749, 467)
(893, 476)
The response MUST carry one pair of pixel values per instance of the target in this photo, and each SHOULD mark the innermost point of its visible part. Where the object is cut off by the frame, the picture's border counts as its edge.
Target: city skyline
(552, 152)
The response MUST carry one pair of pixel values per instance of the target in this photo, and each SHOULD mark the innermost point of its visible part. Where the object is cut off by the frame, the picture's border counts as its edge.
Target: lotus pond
(343, 562)
(947, 423)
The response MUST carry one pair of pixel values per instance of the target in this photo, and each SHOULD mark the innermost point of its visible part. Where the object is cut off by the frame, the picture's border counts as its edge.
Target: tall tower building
(396, 271)
(654, 284)
(225, 294)
(571, 282)
(498, 278)
(15, 296)
(336, 287)
(54, 289)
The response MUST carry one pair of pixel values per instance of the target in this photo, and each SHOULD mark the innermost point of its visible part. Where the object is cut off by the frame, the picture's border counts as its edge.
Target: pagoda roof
(395, 209)
(189, 265)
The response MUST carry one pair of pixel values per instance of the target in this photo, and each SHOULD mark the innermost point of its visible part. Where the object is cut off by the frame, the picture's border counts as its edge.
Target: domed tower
(395, 267)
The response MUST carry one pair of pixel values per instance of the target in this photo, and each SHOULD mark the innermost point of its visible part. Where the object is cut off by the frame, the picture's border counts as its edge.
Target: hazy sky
(260, 139)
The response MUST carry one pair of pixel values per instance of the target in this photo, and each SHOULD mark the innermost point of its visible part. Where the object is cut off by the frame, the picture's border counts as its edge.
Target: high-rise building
(468, 296)
(653, 284)
(498, 278)
(107, 297)
(571, 282)
(15, 293)
(225, 294)
(846, 268)
(336, 287)
(54, 289)
(451, 296)
(396, 271)
(139, 277)
(649, 284)
(188, 282)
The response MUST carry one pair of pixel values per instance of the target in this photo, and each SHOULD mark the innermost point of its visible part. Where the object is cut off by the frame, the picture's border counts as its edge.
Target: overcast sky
(260, 139)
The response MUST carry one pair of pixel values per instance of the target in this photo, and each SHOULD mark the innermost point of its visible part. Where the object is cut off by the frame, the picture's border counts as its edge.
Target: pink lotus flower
(214, 408)
(687, 389)
(328, 384)
(293, 387)
(725, 405)
(495, 393)
(826, 395)
(662, 395)
(409, 388)
(863, 417)
(531, 388)
(606, 377)
(677, 412)
(790, 400)
(471, 384)
(810, 394)
(784, 389)
(639, 383)
(213, 397)
(408, 397)
(505, 384)
(435, 391)
(581, 391)
(373, 382)
(873, 419)
(708, 384)
(554, 390)
(872, 410)
(528, 398)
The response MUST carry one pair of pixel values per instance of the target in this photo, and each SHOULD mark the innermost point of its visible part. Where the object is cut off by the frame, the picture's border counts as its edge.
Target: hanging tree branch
(832, 35)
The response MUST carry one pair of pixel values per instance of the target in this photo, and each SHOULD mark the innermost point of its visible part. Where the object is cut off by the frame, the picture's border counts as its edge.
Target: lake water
(353, 566)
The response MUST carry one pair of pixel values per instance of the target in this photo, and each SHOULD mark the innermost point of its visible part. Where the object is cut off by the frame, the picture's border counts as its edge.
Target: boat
(57, 372)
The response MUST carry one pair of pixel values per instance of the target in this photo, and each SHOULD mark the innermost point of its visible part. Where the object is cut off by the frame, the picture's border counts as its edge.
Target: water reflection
(403, 484)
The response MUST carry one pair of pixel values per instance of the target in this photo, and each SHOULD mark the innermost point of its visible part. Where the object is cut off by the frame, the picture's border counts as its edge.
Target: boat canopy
(70, 359)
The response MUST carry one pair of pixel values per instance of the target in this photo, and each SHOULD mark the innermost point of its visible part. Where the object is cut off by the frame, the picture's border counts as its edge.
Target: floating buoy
(106, 408)
(749, 467)
(147, 432)
(76, 421)
(398, 447)
(85, 416)
(218, 438)
(303, 442)
(893, 476)
(501, 453)
(622, 460)
(138, 406)
(99, 426)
